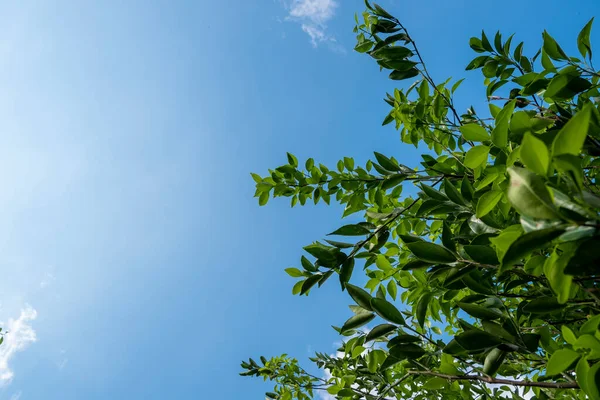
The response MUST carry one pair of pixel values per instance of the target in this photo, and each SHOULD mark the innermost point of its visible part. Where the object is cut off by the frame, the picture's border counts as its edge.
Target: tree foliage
(490, 273)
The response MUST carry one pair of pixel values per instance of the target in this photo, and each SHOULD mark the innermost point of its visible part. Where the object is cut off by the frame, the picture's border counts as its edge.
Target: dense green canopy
(491, 273)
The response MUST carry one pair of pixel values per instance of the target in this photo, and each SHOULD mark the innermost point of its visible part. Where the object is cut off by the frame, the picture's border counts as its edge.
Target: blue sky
(136, 263)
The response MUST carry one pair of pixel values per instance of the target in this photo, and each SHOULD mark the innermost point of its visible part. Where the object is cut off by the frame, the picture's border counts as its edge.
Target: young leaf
(487, 202)
(534, 154)
(571, 137)
(593, 382)
(582, 370)
(474, 132)
(561, 361)
(476, 156)
(294, 272)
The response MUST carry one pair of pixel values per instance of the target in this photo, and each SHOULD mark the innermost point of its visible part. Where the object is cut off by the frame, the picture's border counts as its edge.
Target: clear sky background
(135, 262)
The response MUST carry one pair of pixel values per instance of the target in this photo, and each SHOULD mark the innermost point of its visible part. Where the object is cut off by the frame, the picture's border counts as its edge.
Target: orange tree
(490, 274)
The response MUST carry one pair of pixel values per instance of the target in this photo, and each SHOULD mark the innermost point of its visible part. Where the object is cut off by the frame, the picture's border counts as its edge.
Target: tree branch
(487, 379)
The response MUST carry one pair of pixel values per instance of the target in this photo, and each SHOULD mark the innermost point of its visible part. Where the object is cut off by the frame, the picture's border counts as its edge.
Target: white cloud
(313, 15)
(17, 337)
(16, 396)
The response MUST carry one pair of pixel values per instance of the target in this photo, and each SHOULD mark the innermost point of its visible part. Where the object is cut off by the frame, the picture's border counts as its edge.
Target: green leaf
(364, 46)
(453, 348)
(307, 265)
(386, 162)
(478, 311)
(392, 288)
(297, 288)
(401, 75)
(392, 53)
(357, 321)
(542, 305)
(485, 42)
(453, 193)
(554, 268)
(340, 245)
(434, 194)
(528, 194)
(256, 177)
(568, 334)
(386, 310)
(582, 370)
(500, 132)
(294, 272)
(263, 198)
(422, 308)
(383, 263)
(591, 325)
(583, 40)
(493, 361)
(379, 331)
(497, 330)
(346, 271)
(360, 296)
(475, 340)
(346, 392)
(475, 44)
(310, 282)
(487, 202)
(552, 48)
(571, 137)
(593, 382)
(476, 156)
(430, 252)
(529, 243)
(561, 361)
(351, 230)
(392, 181)
(407, 350)
(474, 132)
(292, 160)
(482, 254)
(534, 154)
(563, 87)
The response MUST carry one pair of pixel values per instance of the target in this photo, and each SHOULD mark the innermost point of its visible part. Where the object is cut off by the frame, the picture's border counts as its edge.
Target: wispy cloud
(313, 16)
(47, 280)
(64, 360)
(19, 335)
(16, 396)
